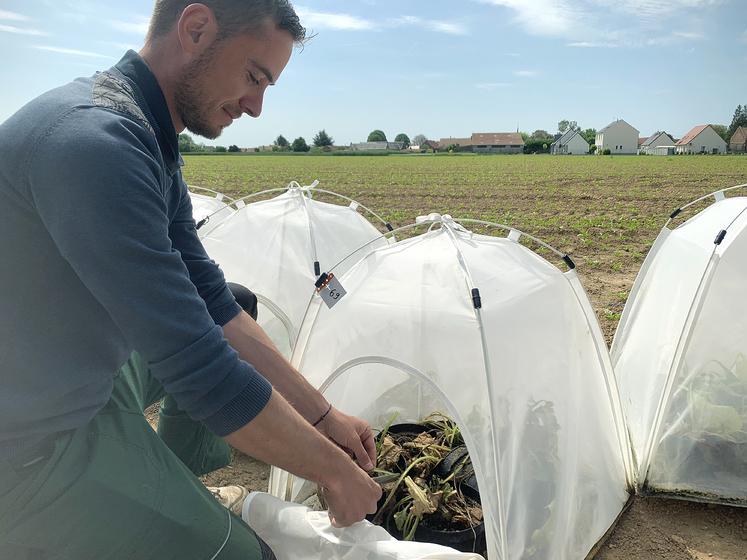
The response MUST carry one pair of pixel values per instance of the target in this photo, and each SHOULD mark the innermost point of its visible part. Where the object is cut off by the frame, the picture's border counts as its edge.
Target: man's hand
(350, 496)
(351, 434)
(278, 435)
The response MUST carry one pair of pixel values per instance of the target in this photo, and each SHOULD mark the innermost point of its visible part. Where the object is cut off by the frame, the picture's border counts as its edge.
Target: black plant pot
(465, 540)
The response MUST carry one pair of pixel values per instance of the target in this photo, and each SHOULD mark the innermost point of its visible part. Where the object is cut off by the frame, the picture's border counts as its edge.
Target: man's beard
(189, 97)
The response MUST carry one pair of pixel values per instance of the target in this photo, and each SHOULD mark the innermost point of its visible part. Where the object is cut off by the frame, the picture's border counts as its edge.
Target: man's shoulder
(111, 91)
(84, 107)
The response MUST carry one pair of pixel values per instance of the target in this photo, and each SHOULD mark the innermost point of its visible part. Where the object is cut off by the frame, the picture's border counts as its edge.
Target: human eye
(252, 77)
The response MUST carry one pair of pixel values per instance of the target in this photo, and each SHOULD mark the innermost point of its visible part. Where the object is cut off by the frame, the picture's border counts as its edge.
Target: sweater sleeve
(98, 187)
(203, 271)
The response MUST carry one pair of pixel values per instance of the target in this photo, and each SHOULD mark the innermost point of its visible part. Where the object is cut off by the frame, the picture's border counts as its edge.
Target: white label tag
(332, 291)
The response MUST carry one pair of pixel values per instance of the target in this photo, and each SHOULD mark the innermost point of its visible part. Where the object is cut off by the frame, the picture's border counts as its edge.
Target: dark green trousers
(114, 490)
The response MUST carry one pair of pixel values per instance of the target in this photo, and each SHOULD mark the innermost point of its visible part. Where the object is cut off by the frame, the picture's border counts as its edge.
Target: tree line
(538, 141)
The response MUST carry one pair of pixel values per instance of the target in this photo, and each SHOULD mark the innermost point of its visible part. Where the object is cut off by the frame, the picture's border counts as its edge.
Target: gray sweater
(99, 256)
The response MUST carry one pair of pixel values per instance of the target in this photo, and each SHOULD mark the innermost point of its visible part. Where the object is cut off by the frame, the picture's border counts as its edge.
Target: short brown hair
(233, 16)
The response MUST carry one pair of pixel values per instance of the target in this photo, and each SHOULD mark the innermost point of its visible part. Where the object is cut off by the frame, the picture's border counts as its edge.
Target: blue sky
(436, 67)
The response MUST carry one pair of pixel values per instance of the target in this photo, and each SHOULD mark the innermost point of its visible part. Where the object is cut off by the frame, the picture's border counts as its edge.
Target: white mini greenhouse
(278, 247)
(209, 208)
(487, 331)
(680, 355)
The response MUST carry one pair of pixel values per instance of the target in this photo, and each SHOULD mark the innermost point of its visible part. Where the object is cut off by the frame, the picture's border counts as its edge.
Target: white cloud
(651, 10)
(74, 52)
(543, 17)
(526, 73)
(446, 27)
(22, 31)
(12, 16)
(337, 21)
(431, 24)
(137, 27)
(592, 45)
(690, 35)
(605, 23)
(743, 38)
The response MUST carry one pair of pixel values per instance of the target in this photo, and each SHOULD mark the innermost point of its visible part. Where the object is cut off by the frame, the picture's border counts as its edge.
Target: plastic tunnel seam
(312, 238)
(447, 225)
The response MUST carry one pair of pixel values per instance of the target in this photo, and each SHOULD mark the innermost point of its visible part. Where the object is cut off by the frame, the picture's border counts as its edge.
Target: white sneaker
(230, 497)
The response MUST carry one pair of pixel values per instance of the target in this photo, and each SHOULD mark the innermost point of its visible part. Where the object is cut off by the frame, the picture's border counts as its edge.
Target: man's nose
(251, 104)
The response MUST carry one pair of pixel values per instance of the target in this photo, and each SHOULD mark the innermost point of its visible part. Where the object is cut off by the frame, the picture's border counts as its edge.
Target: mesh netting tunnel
(278, 247)
(484, 329)
(680, 355)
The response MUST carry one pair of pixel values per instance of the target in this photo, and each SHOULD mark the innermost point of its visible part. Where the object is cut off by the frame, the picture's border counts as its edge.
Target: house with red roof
(702, 139)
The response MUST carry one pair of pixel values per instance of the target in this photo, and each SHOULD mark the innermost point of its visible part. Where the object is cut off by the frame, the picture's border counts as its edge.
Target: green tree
(233, 148)
(281, 142)
(186, 144)
(377, 136)
(221, 149)
(722, 131)
(537, 146)
(404, 138)
(541, 135)
(323, 139)
(419, 140)
(739, 119)
(590, 135)
(300, 145)
(564, 126)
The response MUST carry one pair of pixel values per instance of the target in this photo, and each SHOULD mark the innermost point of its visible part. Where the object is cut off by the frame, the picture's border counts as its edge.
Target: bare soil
(663, 529)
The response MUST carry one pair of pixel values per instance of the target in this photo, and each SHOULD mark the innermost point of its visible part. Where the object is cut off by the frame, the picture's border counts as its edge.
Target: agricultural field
(603, 211)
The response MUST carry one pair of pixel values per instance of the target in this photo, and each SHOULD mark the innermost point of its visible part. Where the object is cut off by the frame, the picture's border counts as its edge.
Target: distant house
(377, 146)
(571, 143)
(657, 140)
(618, 137)
(487, 142)
(497, 142)
(702, 139)
(738, 142)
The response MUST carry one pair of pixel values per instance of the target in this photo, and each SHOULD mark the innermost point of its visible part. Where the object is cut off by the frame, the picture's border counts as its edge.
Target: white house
(376, 146)
(657, 140)
(702, 140)
(618, 137)
(570, 143)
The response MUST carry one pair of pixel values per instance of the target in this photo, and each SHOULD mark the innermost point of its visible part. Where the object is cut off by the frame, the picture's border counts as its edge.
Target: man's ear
(197, 29)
